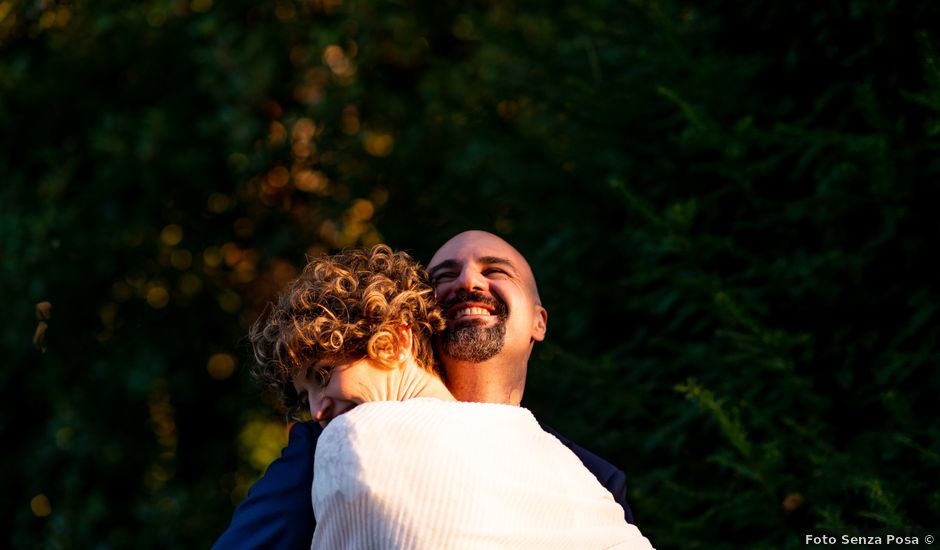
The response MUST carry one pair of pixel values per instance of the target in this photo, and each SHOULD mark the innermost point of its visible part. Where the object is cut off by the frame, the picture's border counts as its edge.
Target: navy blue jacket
(278, 511)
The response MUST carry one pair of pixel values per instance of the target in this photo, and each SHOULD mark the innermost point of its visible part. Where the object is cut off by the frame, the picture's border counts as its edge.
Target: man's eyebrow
(496, 260)
(446, 264)
(483, 260)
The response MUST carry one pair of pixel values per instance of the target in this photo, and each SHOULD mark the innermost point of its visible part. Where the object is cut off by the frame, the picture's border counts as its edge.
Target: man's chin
(472, 341)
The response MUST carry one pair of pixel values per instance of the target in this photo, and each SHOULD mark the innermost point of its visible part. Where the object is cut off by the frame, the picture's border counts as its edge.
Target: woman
(402, 464)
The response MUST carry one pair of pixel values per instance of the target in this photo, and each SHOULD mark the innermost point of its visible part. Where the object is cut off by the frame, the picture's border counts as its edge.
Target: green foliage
(730, 210)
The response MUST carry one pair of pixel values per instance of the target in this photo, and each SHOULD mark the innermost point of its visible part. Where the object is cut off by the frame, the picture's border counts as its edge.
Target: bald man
(494, 317)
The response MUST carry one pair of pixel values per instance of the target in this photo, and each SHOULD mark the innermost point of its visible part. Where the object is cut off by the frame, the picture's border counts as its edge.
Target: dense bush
(730, 208)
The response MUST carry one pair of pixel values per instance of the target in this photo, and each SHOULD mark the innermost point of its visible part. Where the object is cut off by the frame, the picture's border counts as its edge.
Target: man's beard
(473, 343)
(469, 341)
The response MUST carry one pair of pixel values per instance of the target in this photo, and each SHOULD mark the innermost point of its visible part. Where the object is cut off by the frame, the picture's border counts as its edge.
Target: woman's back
(426, 473)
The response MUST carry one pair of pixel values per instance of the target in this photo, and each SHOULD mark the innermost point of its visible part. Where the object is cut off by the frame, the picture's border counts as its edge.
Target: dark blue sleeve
(612, 478)
(278, 511)
(617, 485)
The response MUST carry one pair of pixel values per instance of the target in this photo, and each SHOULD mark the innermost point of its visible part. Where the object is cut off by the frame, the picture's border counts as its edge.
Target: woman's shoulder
(426, 417)
(430, 408)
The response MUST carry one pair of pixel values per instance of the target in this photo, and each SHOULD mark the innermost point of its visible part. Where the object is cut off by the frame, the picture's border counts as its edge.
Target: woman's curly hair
(349, 305)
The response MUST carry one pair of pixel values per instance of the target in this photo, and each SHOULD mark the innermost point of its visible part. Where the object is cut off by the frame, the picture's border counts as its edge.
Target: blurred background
(731, 209)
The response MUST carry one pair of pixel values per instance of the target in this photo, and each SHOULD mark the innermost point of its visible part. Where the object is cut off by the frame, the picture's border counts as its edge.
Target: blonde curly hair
(349, 305)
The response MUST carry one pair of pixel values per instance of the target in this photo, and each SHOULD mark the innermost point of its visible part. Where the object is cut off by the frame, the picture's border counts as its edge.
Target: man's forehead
(477, 246)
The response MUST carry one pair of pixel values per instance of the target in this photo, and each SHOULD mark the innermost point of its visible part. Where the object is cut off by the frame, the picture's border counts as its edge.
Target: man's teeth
(471, 311)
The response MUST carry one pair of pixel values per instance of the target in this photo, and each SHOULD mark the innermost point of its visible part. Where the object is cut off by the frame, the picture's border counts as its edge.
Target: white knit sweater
(431, 474)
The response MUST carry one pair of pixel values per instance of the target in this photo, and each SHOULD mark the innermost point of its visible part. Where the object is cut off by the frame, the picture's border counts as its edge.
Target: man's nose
(471, 279)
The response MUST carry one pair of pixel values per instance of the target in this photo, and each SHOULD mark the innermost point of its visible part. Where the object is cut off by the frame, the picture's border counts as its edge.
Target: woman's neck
(413, 381)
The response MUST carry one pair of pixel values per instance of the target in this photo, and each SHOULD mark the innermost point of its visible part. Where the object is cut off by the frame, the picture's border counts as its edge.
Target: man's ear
(541, 324)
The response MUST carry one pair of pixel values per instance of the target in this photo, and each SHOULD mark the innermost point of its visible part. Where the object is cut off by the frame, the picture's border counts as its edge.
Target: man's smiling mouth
(467, 311)
(473, 306)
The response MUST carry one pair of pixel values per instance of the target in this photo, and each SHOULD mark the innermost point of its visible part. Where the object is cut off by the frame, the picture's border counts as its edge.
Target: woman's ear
(405, 340)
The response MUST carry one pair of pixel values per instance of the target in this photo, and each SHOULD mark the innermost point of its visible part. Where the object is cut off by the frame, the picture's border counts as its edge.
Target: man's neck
(486, 382)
